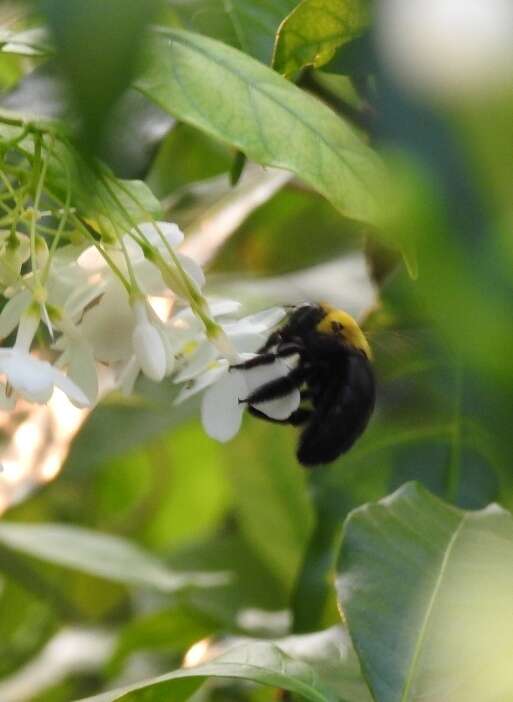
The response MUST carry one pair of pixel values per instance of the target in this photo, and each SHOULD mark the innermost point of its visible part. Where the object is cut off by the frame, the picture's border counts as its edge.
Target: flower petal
(193, 269)
(221, 411)
(74, 393)
(82, 369)
(220, 308)
(12, 312)
(257, 323)
(152, 231)
(108, 325)
(247, 342)
(149, 351)
(29, 376)
(92, 260)
(127, 375)
(150, 278)
(203, 381)
(197, 362)
(282, 407)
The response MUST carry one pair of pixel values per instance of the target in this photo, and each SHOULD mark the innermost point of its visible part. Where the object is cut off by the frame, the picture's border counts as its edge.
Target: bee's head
(341, 324)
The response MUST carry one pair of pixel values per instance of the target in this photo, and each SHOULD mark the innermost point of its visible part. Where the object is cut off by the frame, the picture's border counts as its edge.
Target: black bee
(334, 375)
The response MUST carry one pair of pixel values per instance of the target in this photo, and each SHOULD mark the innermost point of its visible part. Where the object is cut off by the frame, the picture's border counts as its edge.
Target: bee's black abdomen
(340, 415)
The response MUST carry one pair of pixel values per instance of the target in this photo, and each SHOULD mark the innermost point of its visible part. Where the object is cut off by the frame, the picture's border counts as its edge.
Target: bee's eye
(337, 327)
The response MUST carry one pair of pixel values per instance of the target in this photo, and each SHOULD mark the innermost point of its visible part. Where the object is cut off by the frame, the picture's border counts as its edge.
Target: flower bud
(147, 344)
(14, 251)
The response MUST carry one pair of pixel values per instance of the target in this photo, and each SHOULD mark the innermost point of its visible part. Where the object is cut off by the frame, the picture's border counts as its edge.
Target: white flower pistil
(148, 344)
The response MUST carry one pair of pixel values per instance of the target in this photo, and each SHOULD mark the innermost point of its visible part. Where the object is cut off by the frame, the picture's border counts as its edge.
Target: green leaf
(169, 631)
(99, 554)
(199, 156)
(312, 32)
(236, 99)
(266, 479)
(27, 621)
(259, 662)
(331, 654)
(248, 25)
(427, 592)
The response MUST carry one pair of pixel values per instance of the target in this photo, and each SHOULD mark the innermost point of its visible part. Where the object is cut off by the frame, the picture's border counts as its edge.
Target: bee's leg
(300, 416)
(277, 388)
(274, 339)
(264, 359)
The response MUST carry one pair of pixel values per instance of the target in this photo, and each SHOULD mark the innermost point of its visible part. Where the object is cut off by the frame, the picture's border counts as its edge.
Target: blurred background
(430, 281)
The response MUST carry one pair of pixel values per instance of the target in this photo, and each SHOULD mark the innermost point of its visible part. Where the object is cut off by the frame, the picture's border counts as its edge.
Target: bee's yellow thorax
(342, 324)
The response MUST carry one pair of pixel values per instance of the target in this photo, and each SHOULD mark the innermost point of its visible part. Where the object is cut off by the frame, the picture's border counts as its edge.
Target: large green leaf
(259, 662)
(310, 35)
(98, 554)
(249, 25)
(238, 100)
(427, 591)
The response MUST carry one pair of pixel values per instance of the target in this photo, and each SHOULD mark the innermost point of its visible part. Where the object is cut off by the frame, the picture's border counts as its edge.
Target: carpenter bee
(334, 376)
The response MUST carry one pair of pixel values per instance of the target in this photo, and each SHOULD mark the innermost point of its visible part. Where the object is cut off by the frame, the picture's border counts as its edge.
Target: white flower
(30, 377)
(114, 329)
(246, 335)
(108, 325)
(127, 337)
(448, 48)
(148, 275)
(203, 369)
(222, 404)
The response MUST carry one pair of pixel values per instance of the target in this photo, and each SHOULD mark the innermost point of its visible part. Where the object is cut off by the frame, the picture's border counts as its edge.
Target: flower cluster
(110, 290)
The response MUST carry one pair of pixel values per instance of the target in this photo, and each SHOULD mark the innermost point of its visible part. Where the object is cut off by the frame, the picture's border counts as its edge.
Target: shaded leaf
(262, 244)
(236, 99)
(425, 588)
(169, 631)
(98, 46)
(99, 554)
(253, 586)
(26, 623)
(331, 654)
(312, 32)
